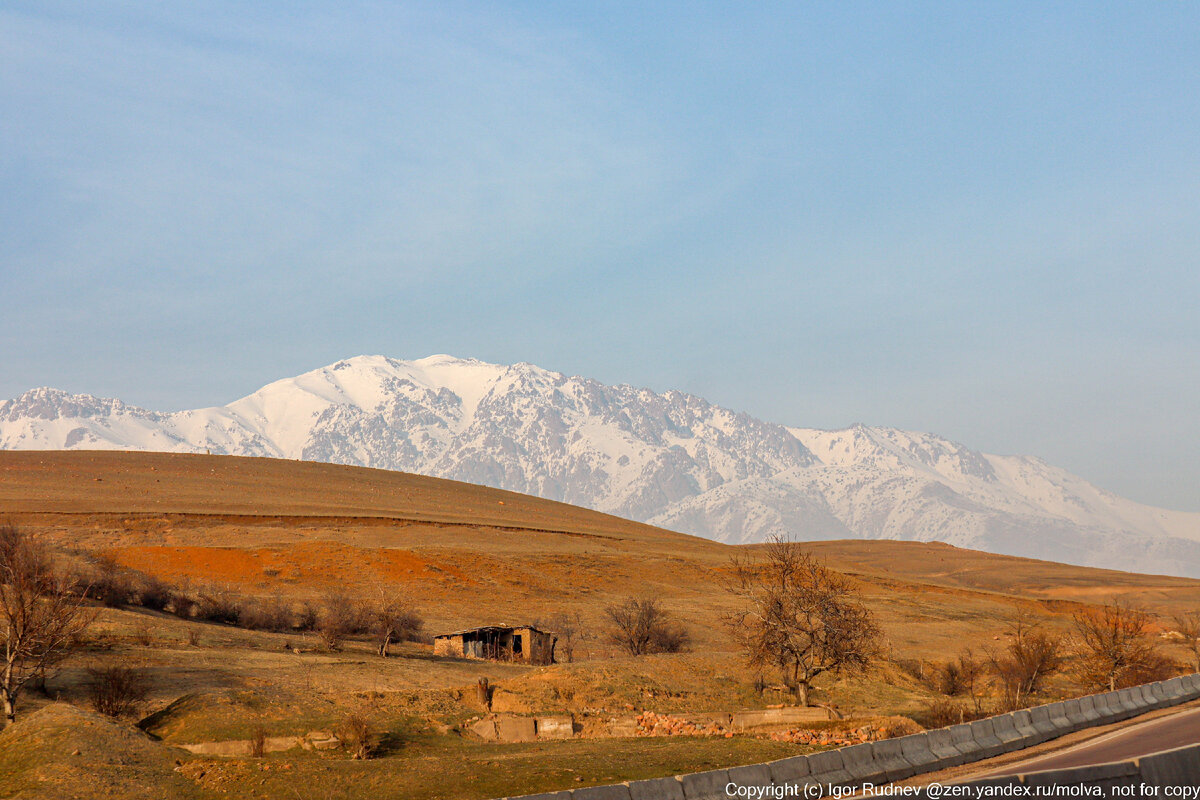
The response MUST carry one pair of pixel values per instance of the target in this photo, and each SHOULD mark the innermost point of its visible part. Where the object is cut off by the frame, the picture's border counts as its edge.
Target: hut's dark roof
(489, 629)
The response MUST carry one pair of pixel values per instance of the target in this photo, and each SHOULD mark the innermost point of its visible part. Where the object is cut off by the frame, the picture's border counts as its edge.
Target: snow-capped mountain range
(670, 459)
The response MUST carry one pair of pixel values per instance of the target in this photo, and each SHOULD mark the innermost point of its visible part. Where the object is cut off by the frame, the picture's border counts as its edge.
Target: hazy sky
(981, 220)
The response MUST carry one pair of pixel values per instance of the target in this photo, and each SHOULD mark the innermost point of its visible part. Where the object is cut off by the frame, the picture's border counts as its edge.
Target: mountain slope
(670, 459)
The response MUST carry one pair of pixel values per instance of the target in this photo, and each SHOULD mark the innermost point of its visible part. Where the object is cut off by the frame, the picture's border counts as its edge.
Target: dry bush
(960, 676)
(1188, 627)
(941, 712)
(264, 614)
(670, 637)
(341, 617)
(308, 617)
(181, 604)
(112, 584)
(640, 626)
(1154, 667)
(116, 690)
(141, 635)
(1115, 648)
(1032, 656)
(153, 593)
(217, 605)
(393, 620)
(356, 735)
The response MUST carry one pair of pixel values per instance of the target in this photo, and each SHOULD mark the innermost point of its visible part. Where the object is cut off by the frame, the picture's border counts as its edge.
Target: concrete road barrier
(656, 789)
(989, 744)
(917, 752)
(827, 768)
(889, 757)
(1023, 722)
(1129, 703)
(705, 785)
(1074, 711)
(1058, 716)
(750, 775)
(1087, 706)
(794, 771)
(1159, 693)
(1005, 728)
(1118, 705)
(964, 739)
(941, 744)
(1179, 767)
(1042, 721)
(1111, 704)
(859, 762)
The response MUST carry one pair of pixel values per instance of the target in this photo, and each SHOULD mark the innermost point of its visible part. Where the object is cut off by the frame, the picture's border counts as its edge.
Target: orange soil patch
(320, 562)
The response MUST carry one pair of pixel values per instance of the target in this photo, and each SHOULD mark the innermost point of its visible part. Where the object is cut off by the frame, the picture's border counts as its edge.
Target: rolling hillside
(672, 460)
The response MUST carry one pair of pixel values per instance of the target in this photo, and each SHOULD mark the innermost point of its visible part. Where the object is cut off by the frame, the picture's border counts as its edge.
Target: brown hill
(468, 555)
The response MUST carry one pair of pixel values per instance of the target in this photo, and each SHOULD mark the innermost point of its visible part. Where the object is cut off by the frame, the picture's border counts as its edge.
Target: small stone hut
(523, 643)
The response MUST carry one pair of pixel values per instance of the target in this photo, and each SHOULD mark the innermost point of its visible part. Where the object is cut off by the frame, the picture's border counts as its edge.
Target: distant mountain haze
(669, 459)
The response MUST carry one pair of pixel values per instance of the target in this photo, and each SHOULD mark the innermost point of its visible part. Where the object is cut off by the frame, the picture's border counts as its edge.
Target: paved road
(1165, 733)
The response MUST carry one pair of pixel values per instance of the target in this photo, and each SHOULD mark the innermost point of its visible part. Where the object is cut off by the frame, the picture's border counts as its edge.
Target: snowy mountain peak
(892, 449)
(671, 459)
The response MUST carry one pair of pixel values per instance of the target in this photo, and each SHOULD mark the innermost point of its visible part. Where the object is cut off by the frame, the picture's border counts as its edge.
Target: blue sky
(981, 220)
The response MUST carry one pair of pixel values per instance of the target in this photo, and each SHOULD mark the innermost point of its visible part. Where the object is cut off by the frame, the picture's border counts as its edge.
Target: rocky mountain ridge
(671, 459)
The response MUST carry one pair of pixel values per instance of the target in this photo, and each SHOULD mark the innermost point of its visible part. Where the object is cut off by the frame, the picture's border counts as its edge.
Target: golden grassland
(464, 555)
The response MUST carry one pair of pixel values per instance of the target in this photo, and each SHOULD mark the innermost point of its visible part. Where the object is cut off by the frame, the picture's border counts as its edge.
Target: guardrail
(895, 759)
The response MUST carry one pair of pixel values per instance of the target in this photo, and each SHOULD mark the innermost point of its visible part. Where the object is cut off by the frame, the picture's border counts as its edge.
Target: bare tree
(970, 670)
(570, 630)
(1188, 626)
(394, 620)
(340, 617)
(1115, 649)
(640, 625)
(799, 616)
(40, 620)
(1031, 656)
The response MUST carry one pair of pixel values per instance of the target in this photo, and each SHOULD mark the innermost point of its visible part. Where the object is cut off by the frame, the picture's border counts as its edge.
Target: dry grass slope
(466, 555)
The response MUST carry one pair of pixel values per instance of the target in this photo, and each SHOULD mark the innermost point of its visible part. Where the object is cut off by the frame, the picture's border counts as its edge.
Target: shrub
(669, 638)
(217, 605)
(264, 614)
(640, 626)
(141, 635)
(116, 690)
(153, 593)
(112, 585)
(181, 604)
(942, 711)
(341, 617)
(355, 734)
(308, 617)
